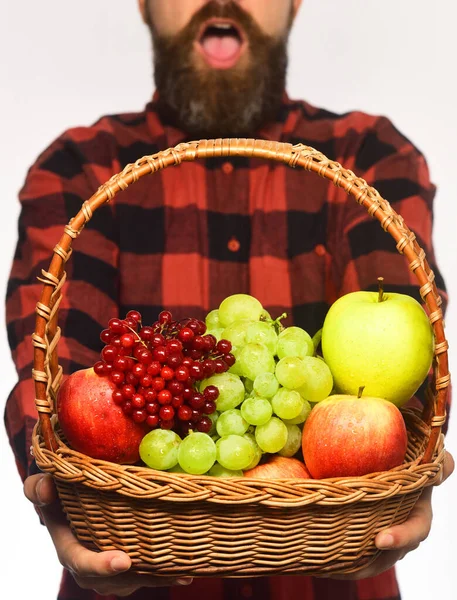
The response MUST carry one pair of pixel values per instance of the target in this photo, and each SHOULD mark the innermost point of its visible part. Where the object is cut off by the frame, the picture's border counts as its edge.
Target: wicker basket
(173, 524)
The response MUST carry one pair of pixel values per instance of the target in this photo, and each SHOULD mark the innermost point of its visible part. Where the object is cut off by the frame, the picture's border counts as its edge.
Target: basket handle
(47, 373)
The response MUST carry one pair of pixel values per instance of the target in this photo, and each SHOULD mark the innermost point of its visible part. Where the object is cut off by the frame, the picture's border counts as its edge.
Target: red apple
(279, 467)
(346, 436)
(93, 424)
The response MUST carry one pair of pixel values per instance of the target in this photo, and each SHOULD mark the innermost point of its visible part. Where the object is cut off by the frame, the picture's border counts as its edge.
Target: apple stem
(361, 388)
(381, 289)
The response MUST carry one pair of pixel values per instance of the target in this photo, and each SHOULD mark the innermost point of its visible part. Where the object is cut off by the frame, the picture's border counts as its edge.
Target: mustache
(230, 10)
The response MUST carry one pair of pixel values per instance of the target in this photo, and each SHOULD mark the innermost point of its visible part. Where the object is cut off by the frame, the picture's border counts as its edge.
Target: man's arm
(55, 188)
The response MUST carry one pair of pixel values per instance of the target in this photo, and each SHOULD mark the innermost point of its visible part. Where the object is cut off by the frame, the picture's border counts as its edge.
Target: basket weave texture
(174, 524)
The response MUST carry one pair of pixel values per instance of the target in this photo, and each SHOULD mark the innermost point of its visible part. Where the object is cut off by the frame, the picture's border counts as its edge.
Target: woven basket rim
(142, 482)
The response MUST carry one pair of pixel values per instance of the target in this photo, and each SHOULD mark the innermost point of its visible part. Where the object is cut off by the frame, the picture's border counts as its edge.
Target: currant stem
(361, 388)
(380, 289)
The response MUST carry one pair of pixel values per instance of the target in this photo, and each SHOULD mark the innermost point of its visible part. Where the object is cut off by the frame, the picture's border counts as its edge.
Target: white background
(66, 63)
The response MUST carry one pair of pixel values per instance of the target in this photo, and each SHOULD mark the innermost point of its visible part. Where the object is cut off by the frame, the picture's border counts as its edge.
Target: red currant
(105, 336)
(131, 323)
(195, 354)
(229, 360)
(186, 335)
(167, 373)
(109, 353)
(121, 363)
(167, 424)
(128, 340)
(158, 384)
(165, 317)
(116, 325)
(196, 371)
(145, 356)
(128, 391)
(157, 340)
(209, 368)
(160, 354)
(211, 393)
(196, 416)
(210, 342)
(164, 397)
(177, 401)
(182, 373)
(152, 421)
(131, 379)
(152, 408)
(99, 368)
(118, 397)
(184, 413)
(197, 400)
(135, 315)
(139, 416)
(209, 407)
(138, 401)
(221, 366)
(224, 346)
(166, 413)
(117, 377)
(174, 360)
(154, 368)
(204, 425)
(199, 343)
(127, 407)
(175, 387)
(187, 393)
(174, 346)
(146, 333)
(146, 381)
(150, 395)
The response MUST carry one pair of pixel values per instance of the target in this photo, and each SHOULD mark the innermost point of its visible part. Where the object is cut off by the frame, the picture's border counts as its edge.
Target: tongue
(221, 48)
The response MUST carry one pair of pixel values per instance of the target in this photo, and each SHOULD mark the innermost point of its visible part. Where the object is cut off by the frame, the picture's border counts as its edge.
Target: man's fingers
(414, 531)
(127, 583)
(448, 467)
(40, 489)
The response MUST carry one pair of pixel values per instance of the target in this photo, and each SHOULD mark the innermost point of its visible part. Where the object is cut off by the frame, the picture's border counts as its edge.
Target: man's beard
(207, 102)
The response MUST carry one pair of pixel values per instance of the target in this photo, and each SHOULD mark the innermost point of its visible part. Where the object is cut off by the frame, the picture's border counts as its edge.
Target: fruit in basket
(156, 370)
(93, 423)
(159, 449)
(380, 340)
(197, 453)
(272, 436)
(239, 307)
(293, 443)
(279, 467)
(235, 452)
(347, 436)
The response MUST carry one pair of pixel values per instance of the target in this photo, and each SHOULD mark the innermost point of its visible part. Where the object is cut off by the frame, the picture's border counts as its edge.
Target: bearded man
(185, 239)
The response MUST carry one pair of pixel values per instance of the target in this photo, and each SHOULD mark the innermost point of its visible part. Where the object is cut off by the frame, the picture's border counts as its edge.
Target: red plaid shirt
(187, 237)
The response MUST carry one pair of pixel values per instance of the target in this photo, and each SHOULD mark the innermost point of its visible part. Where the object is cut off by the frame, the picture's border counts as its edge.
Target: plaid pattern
(184, 239)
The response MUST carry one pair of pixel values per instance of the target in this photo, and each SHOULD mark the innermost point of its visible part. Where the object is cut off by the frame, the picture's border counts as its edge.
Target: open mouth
(221, 42)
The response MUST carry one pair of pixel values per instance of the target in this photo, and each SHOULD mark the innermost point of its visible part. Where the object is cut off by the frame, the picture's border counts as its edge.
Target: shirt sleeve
(363, 250)
(54, 190)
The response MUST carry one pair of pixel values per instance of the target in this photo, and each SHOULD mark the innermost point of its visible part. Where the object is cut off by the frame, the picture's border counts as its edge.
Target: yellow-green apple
(380, 341)
(279, 467)
(347, 436)
(91, 421)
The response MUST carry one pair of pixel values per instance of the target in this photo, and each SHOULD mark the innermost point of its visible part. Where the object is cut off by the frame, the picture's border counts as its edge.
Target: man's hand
(401, 539)
(104, 572)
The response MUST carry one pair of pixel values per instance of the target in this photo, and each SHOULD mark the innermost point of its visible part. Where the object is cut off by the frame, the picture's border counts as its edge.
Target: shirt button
(227, 168)
(320, 250)
(246, 591)
(233, 245)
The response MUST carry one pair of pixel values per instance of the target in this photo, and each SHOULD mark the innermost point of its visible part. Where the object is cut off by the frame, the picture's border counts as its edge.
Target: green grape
(212, 320)
(317, 339)
(262, 333)
(256, 411)
(231, 390)
(234, 452)
(176, 469)
(239, 307)
(293, 444)
(294, 341)
(197, 453)
(301, 418)
(319, 381)
(236, 333)
(214, 417)
(266, 385)
(218, 470)
(255, 359)
(231, 422)
(265, 315)
(290, 372)
(287, 404)
(248, 385)
(235, 368)
(258, 452)
(159, 449)
(216, 332)
(272, 436)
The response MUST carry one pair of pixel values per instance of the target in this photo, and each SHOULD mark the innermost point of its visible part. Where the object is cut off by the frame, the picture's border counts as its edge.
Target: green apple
(380, 341)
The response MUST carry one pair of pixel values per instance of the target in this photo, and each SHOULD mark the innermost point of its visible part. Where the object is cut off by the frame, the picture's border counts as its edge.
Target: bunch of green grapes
(264, 398)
